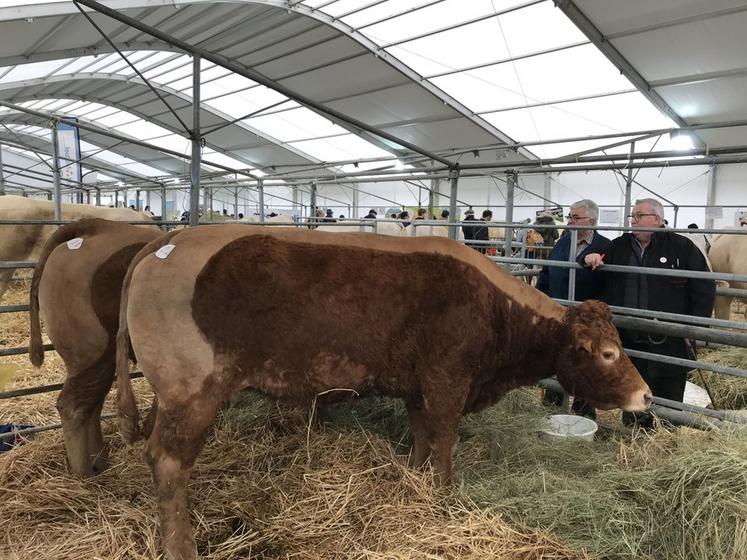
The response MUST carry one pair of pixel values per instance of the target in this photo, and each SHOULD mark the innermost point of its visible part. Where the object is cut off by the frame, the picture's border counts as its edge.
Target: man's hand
(594, 260)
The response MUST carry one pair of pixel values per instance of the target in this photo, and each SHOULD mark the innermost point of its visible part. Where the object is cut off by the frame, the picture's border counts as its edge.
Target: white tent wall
(12, 159)
(687, 185)
(681, 185)
(731, 189)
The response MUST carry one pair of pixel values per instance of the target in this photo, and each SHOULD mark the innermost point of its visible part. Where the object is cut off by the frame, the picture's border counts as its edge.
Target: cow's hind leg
(79, 405)
(178, 436)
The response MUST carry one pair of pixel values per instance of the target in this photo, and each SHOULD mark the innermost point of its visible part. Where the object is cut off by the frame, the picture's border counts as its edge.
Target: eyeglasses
(574, 218)
(637, 217)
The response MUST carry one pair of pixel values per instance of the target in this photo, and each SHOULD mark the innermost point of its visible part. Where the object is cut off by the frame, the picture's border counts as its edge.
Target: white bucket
(564, 427)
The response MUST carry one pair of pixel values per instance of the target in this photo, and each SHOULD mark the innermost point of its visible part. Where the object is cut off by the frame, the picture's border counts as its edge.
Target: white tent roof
(452, 78)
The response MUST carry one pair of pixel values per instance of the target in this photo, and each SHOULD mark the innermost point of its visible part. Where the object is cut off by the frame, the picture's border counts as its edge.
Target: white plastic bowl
(564, 427)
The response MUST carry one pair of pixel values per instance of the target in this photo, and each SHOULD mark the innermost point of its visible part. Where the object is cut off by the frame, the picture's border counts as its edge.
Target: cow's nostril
(648, 398)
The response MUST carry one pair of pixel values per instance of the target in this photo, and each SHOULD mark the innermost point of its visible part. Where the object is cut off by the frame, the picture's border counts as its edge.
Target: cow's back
(295, 310)
(24, 242)
(80, 288)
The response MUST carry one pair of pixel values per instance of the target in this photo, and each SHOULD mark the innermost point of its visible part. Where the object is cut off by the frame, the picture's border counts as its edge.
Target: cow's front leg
(419, 429)
(442, 411)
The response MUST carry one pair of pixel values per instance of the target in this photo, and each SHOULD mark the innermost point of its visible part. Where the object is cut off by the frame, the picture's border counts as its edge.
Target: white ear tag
(663, 260)
(165, 251)
(74, 244)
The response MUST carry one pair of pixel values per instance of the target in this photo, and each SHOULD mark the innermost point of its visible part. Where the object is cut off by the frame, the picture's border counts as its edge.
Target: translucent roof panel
(340, 148)
(222, 159)
(525, 69)
(604, 115)
(86, 148)
(297, 124)
(31, 71)
(576, 72)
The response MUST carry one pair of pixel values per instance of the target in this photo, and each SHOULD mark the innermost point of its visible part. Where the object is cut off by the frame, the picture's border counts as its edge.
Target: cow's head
(592, 364)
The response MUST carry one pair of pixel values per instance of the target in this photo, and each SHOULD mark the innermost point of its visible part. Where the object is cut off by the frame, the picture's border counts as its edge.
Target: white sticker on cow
(165, 251)
(74, 244)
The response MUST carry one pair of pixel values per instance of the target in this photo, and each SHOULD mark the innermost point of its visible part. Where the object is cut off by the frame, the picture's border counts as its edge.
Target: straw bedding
(270, 486)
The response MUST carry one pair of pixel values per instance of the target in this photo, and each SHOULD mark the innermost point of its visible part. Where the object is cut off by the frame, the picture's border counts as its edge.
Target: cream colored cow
(25, 242)
(728, 254)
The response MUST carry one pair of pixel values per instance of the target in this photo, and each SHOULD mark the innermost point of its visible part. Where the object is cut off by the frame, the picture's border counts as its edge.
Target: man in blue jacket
(553, 280)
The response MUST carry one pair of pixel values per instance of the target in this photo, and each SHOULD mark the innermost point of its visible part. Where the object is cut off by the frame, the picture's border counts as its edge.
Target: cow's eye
(608, 355)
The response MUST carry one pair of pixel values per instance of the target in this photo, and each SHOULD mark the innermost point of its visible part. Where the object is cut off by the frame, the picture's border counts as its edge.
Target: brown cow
(214, 310)
(25, 242)
(76, 287)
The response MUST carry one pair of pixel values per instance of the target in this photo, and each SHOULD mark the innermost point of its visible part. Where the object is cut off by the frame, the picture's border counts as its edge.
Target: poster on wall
(68, 145)
(609, 215)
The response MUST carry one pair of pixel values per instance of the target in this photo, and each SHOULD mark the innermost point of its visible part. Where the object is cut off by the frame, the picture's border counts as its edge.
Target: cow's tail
(128, 414)
(62, 235)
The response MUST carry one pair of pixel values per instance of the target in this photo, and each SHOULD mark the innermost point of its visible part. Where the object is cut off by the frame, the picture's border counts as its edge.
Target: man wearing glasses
(553, 280)
(661, 249)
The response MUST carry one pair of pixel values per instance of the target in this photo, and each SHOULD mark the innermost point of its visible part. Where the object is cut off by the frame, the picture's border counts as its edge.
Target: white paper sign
(609, 216)
(165, 251)
(74, 244)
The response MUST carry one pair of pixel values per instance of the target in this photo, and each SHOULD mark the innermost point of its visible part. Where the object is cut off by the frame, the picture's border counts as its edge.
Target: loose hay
(38, 409)
(265, 487)
(728, 392)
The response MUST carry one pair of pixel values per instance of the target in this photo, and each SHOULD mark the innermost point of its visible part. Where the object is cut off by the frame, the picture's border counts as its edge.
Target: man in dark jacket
(372, 214)
(469, 229)
(690, 296)
(553, 280)
(482, 233)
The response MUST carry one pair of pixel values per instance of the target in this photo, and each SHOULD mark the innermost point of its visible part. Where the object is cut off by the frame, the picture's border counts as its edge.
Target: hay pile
(728, 392)
(265, 487)
(268, 487)
(671, 495)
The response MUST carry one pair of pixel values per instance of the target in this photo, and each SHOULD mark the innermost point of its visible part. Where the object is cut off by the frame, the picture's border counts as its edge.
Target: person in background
(444, 214)
(701, 240)
(405, 217)
(549, 235)
(371, 215)
(521, 238)
(482, 233)
(468, 229)
(553, 280)
(659, 249)
(421, 214)
(329, 217)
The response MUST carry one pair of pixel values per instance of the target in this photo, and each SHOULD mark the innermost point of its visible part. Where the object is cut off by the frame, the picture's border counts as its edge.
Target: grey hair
(590, 208)
(655, 205)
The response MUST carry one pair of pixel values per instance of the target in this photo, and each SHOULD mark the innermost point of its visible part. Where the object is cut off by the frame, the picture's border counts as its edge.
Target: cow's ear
(584, 343)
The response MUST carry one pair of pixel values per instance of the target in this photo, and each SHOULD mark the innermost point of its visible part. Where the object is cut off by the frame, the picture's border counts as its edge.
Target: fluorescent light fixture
(681, 140)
